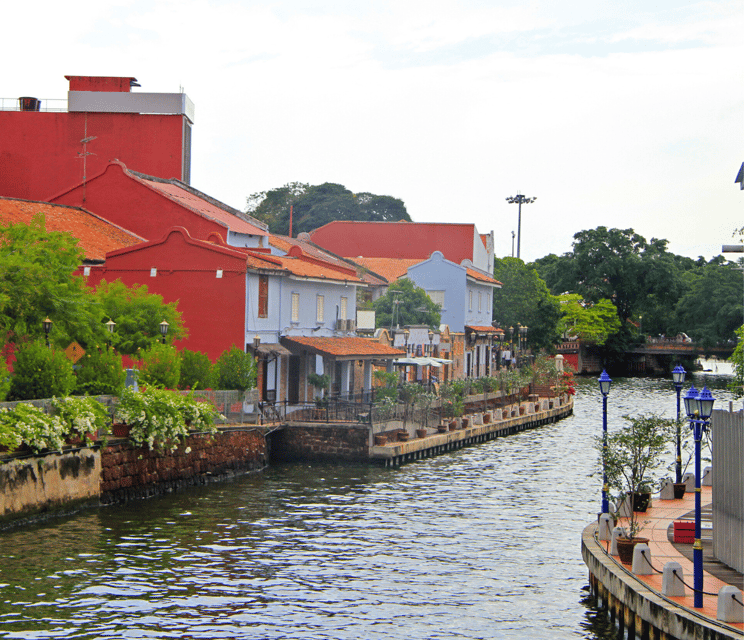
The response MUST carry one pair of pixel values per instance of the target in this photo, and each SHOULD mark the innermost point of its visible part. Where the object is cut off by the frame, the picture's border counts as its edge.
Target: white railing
(47, 104)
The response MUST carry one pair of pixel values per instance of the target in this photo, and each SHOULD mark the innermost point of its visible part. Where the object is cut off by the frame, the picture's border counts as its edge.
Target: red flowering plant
(566, 383)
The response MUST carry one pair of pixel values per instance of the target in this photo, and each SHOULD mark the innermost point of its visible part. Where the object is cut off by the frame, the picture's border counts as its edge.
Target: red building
(45, 150)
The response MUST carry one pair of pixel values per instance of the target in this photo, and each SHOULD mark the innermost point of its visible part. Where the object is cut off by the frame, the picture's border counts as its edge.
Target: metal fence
(728, 487)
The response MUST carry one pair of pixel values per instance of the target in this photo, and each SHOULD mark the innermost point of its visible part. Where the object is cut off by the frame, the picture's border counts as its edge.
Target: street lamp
(678, 377)
(699, 407)
(604, 388)
(47, 324)
(164, 329)
(110, 326)
(520, 200)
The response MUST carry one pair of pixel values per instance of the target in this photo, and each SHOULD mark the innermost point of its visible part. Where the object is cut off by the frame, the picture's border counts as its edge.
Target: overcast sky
(622, 114)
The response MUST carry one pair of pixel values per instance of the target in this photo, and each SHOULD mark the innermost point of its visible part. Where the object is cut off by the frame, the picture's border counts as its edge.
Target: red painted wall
(120, 199)
(212, 308)
(40, 151)
(396, 239)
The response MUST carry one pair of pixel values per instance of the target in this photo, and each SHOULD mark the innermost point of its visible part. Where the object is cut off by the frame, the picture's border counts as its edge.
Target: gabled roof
(479, 276)
(202, 204)
(298, 264)
(389, 268)
(344, 348)
(96, 236)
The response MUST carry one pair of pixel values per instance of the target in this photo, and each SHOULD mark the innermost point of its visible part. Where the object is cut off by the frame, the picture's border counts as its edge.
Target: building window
(342, 311)
(480, 302)
(263, 296)
(295, 307)
(437, 297)
(470, 300)
(320, 310)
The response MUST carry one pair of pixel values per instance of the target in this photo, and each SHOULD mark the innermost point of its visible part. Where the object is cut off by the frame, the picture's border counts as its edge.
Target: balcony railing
(44, 104)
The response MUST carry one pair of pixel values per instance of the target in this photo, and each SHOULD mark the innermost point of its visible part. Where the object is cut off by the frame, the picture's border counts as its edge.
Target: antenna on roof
(85, 153)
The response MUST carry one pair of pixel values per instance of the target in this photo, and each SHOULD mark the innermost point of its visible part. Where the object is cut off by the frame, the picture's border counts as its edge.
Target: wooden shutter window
(263, 296)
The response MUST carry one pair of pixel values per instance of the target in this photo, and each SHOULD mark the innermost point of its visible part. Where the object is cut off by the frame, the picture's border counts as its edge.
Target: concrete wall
(47, 483)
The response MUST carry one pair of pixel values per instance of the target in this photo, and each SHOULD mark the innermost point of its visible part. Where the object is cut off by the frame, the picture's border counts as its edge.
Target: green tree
(37, 280)
(196, 370)
(320, 204)
(161, 367)
(100, 373)
(406, 304)
(737, 359)
(40, 372)
(235, 369)
(138, 315)
(524, 299)
(591, 322)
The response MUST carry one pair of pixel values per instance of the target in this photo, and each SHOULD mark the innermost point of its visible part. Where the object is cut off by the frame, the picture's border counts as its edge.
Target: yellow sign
(74, 352)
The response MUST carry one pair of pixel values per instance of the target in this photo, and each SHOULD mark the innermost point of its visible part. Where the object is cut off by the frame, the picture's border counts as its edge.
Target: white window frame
(470, 300)
(344, 307)
(295, 307)
(437, 297)
(320, 308)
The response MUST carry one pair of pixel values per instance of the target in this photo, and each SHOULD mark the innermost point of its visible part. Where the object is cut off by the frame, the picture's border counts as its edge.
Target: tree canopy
(406, 304)
(317, 205)
(525, 299)
(591, 322)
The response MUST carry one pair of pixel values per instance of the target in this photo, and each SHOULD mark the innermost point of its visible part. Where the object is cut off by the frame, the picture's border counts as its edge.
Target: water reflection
(482, 542)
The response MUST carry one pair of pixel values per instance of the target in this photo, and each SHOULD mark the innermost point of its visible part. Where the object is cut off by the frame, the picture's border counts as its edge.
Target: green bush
(100, 373)
(161, 367)
(196, 370)
(235, 369)
(40, 372)
(4, 378)
(83, 418)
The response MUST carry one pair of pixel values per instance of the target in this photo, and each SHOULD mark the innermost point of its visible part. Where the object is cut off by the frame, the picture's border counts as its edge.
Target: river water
(479, 543)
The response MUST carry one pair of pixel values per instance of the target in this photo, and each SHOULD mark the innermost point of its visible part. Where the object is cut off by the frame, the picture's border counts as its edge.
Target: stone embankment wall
(317, 443)
(32, 487)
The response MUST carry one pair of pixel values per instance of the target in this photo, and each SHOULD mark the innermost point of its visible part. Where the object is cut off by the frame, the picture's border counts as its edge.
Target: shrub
(40, 372)
(82, 417)
(4, 378)
(196, 370)
(100, 373)
(29, 424)
(161, 367)
(235, 369)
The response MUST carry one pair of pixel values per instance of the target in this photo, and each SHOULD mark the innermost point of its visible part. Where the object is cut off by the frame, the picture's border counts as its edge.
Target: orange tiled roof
(485, 329)
(96, 236)
(285, 243)
(302, 267)
(482, 277)
(389, 268)
(345, 347)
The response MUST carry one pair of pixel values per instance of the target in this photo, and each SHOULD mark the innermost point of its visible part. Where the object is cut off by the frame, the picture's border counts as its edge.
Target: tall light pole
(604, 388)
(678, 376)
(699, 407)
(520, 200)
(47, 324)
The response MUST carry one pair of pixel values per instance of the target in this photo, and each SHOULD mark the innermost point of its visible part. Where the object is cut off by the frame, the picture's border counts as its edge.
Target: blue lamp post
(699, 407)
(604, 388)
(678, 377)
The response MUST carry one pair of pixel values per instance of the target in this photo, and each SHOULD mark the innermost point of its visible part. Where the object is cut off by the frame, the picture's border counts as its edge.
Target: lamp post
(523, 341)
(604, 388)
(699, 407)
(520, 200)
(47, 324)
(164, 330)
(110, 326)
(678, 376)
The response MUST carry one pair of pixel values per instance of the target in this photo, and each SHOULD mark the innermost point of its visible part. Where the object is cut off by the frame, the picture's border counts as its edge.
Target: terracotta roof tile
(390, 268)
(345, 347)
(96, 236)
(302, 267)
(485, 329)
(482, 277)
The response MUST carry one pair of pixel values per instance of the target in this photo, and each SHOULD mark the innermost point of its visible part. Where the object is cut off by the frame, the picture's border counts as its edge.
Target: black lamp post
(164, 330)
(110, 326)
(678, 376)
(520, 200)
(699, 407)
(47, 324)
(523, 341)
(604, 388)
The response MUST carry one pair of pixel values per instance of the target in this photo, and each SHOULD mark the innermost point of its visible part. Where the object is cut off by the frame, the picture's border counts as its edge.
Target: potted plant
(322, 382)
(632, 459)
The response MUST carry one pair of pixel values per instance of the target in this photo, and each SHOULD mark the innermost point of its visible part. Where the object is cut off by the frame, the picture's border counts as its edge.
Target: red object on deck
(684, 531)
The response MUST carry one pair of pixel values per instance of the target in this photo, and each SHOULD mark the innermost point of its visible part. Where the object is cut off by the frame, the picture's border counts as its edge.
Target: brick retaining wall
(320, 443)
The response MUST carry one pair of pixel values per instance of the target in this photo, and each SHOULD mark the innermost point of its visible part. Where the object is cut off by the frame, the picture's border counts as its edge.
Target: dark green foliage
(317, 205)
(196, 370)
(39, 372)
(4, 378)
(413, 306)
(138, 315)
(524, 299)
(235, 369)
(100, 373)
(161, 367)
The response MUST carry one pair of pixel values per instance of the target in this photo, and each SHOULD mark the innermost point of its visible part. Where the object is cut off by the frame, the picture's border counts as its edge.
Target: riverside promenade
(635, 602)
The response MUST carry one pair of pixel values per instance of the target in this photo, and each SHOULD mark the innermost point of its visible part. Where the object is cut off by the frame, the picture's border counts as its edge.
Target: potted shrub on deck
(633, 459)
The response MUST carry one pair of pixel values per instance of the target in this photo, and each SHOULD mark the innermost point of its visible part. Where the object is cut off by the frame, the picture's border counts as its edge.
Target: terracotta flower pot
(625, 548)
(380, 440)
(521, 409)
(453, 425)
(486, 418)
(442, 428)
(421, 433)
(402, 436)
(465, 423)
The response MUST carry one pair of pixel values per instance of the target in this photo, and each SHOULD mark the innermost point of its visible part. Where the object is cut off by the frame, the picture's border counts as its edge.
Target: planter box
(684, 531)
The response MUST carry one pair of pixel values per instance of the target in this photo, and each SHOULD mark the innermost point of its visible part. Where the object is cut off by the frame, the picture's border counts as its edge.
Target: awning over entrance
(270, 350)
(351, 348)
